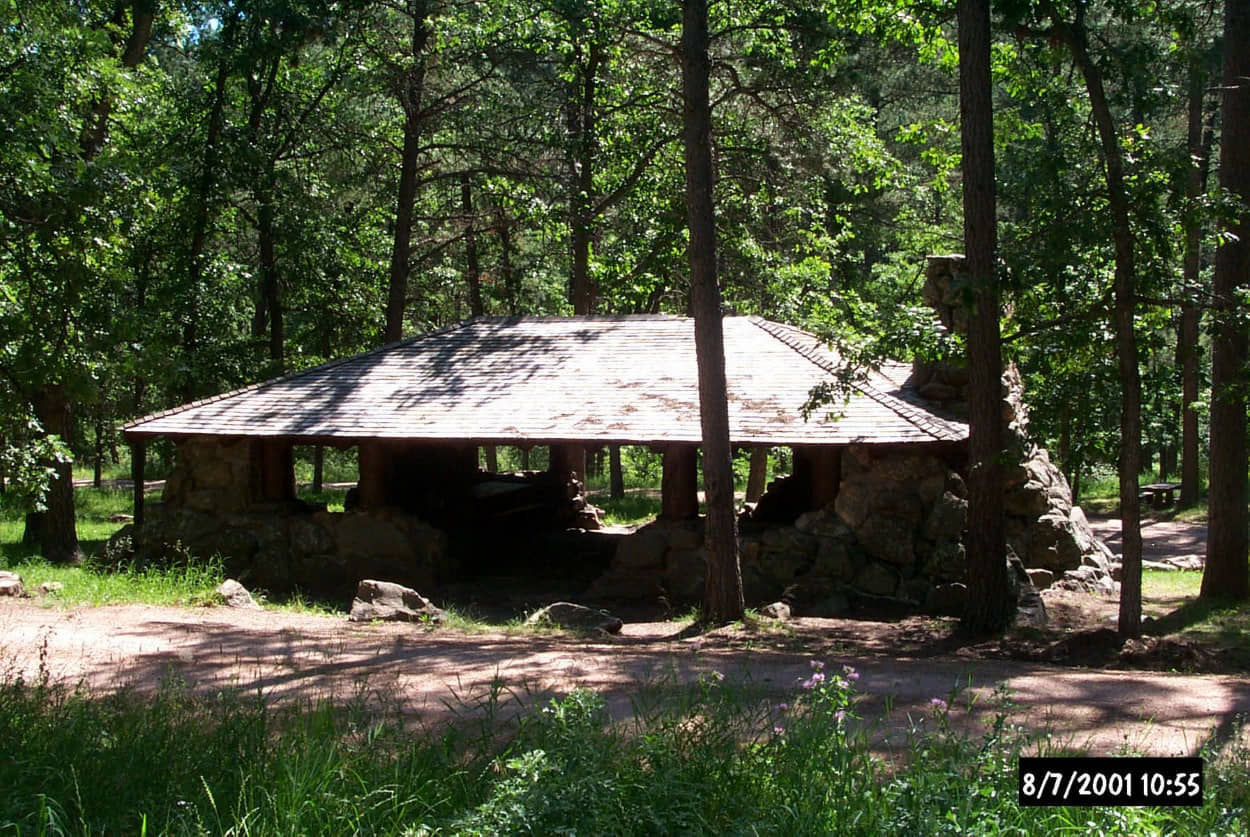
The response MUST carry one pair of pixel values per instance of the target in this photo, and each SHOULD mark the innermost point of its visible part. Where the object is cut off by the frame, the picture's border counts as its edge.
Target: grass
(712, 757)
(634, 508)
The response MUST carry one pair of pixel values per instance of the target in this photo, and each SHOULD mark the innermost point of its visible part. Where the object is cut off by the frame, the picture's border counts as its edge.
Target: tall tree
(1227, 572)
(990, 607)
(722, 598)
(408, 87)
(1198, 144)
(66, 69)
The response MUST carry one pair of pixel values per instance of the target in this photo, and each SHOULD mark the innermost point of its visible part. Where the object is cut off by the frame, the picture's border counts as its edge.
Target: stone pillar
(679, 490)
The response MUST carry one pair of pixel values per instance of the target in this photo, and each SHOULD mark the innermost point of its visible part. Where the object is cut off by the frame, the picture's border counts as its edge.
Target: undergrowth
(707, 758)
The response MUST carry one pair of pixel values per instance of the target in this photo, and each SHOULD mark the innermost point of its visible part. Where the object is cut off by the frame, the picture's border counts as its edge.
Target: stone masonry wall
(278, 546)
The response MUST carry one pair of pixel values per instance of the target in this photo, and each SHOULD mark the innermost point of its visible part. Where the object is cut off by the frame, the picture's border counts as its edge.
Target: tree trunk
(58, 533)
(319, 469)
(410, 93)
(722, 598)
(511, 287)
(1187, 352)
(472, 270)
(581, 128)
(270, 289)
(1227, 572)
(990, 607)
(1125, 338)
(616, 476)
(201, 210)
(97, 464)
(758, 475)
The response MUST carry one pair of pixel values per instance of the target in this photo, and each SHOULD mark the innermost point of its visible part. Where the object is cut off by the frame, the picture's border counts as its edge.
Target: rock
(234, 594)
(1029, 500)
(947, 599)
(685, 536)
(11, 585)
(641, 551)
(876, 580)
(1052, 544)
(947, 519)
(622, 585)
(777, 610)
(685, 575)
(50, 588)
(831, 607)
(888, 538)
(579, 617)
(834, 560)
(1040, 578)
(390, 602)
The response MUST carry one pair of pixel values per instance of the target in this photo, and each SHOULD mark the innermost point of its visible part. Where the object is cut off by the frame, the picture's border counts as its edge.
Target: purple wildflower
(938, 704)
(817, 665)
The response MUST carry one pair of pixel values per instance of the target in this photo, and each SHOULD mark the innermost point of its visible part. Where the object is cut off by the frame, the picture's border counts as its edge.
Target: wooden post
(371, 484)
(277, 470)
(568, 459)
(758, 474)
(138, 464)
(679, 491)
(819, 469)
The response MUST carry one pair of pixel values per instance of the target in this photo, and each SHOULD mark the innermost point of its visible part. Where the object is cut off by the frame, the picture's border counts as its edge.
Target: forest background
(195, 196)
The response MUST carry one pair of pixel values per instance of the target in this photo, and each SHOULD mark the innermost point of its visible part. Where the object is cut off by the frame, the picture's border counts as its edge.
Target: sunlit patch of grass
(191, 583)
(632, 509)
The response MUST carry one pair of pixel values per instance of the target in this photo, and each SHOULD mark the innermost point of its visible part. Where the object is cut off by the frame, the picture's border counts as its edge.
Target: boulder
(685, 574)
(577, 617)
(876, 580)
(11, 585)
(777, 610)
(1040, 578)
(233, 594)
(947, 519)
(830, 607)
(50, 588)
(390, 602)
(642, 551)
(888, 538)
(1052, 544)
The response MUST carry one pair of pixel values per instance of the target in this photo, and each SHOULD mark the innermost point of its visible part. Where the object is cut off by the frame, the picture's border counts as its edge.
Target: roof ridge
(289, 376)
(917, 415)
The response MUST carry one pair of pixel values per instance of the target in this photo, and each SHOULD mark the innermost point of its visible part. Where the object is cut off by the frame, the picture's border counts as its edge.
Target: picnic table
(1159, 494)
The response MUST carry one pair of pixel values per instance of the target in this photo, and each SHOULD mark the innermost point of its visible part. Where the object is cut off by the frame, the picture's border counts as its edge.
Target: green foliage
(26, 461)
(712, 757)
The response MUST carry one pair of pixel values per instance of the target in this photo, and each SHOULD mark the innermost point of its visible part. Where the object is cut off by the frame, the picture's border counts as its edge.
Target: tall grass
(708, 758)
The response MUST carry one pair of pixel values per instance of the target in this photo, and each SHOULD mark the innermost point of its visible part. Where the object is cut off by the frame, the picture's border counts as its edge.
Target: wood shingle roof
(629, 380)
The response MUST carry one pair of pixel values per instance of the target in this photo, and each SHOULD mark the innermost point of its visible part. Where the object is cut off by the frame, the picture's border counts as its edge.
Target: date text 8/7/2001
(1110, 781)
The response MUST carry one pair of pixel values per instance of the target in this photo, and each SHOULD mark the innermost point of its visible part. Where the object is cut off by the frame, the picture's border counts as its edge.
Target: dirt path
(1165, 541)
(286, 655)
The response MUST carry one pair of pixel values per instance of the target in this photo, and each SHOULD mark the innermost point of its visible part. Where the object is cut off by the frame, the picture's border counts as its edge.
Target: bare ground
(436, 673)
(433, 673)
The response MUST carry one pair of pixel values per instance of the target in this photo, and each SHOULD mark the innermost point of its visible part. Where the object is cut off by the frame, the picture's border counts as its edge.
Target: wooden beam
(679, 488)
